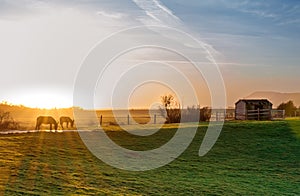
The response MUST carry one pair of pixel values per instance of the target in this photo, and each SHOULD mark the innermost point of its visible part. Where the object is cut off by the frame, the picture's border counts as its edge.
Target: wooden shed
(253, 109)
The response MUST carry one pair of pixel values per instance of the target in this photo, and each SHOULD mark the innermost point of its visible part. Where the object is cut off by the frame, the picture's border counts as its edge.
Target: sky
(44, 44)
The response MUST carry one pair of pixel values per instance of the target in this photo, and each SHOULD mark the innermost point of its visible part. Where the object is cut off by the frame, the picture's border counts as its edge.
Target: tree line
(290, 108)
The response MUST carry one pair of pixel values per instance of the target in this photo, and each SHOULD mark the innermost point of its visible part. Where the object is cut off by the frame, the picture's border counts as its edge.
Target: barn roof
(255, 101)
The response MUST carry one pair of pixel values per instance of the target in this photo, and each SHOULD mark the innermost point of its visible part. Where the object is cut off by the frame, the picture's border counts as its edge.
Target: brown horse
(67, 120)
(45, 120)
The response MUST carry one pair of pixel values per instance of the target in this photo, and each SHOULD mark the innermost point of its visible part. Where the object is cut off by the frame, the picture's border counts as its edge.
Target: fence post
(128, 119)
(101, 120)
(258, 114)
(154, 118)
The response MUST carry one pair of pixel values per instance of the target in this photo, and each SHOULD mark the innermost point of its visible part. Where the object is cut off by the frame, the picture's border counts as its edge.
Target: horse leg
(38, 126)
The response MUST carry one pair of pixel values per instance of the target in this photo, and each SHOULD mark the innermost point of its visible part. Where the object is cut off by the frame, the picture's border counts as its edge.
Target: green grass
(295, 126)
(261, 158)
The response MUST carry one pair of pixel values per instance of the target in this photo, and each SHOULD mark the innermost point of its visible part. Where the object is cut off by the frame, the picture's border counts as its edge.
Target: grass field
(252, 158)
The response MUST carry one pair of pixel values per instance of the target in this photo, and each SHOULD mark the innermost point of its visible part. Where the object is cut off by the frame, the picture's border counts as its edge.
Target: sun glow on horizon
(42, 100)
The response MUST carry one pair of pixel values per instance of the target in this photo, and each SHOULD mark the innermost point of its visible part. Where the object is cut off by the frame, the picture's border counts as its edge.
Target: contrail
(161, 15)
(158, 12)
(165, 9)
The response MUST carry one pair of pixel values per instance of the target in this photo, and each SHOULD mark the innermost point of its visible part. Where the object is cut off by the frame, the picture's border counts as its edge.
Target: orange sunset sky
(44, 44)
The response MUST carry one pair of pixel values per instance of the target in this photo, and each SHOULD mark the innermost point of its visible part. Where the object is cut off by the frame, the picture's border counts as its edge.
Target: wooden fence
(265, 114)
(259, 114)
(216, 115)
(128, 120)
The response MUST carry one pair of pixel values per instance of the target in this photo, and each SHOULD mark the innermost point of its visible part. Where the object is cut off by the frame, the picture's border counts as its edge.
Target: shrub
(205, 114)
(289, 108)
(171, 110)
(7, 122)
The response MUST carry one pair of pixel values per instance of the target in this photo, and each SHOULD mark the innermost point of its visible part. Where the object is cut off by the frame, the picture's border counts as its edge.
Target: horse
(67, 120)
(46, 120)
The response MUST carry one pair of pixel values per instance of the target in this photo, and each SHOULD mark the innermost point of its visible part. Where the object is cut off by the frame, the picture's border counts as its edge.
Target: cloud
(110, 14)
(289, 22)
(157, 12)
(182, 62)
(281, 12)
(259, 13)
(260, 9)
(165, 9)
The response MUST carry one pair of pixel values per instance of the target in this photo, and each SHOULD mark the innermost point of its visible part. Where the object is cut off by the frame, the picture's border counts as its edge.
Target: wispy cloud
(161, 15)
(281, 12)
(259, 13)
(157, 12)
(110, 14)
(165, 9)
(260, 9)
(182, 62)
(288, 22)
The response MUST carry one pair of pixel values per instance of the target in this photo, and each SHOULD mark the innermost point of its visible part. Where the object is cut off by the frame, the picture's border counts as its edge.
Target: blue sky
(260, 38)
(255, 43)
(271, 27)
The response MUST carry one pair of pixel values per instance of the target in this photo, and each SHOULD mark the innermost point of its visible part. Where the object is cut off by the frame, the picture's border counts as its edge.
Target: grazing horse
(46, 120)
(67, 120)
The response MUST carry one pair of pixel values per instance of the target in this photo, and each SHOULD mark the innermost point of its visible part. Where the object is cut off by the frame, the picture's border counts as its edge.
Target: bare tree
(172, 108)
(167, 100)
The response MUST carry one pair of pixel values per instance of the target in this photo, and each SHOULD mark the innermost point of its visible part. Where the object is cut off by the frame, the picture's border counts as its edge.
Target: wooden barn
(253, 109)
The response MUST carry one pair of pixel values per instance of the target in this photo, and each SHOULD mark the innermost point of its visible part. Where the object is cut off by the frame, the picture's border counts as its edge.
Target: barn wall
(240, 111)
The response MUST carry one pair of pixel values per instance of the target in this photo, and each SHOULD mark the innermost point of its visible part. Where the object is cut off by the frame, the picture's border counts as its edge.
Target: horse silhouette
(67, 120)
(46, 120)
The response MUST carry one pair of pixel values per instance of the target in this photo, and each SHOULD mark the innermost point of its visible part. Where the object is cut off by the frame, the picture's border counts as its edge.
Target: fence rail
(160, 119)
(115, 120)
(265, 114)
(152, 117)
(259, 114)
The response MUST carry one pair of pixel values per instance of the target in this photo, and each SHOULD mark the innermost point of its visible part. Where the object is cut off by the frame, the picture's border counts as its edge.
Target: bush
(174, 114)
(289, 108)
(205, 114)
(7, 122)
(171, 110)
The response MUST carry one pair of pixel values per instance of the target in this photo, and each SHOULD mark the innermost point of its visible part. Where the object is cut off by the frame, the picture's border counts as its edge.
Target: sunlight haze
(43, 44)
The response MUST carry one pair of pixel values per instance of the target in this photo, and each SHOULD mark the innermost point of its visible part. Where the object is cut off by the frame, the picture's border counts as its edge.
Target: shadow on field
(249, 158)
(294, 125)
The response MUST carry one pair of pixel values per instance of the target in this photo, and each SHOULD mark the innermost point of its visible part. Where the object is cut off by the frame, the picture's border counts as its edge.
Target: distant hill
(276, 97)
